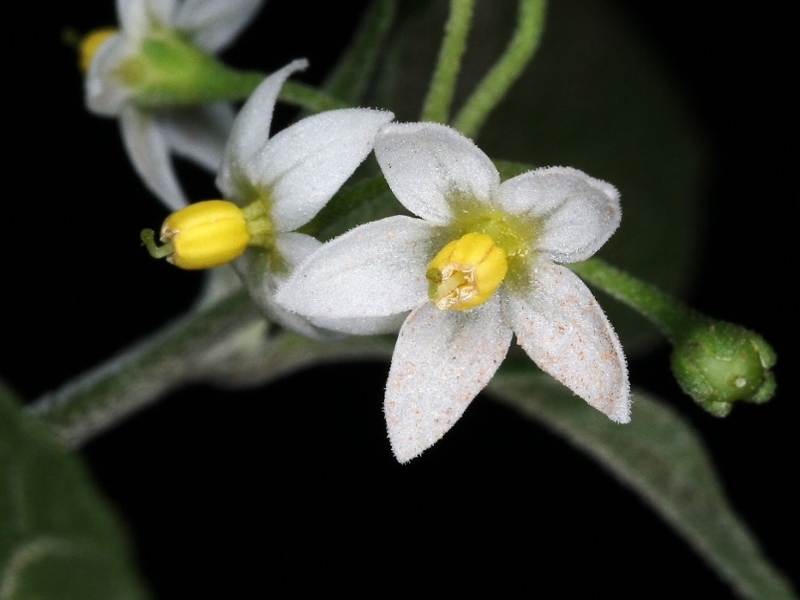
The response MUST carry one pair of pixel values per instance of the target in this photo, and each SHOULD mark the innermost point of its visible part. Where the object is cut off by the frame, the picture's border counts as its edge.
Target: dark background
(290, 487)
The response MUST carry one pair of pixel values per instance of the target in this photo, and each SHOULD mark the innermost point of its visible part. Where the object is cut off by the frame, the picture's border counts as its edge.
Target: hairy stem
(494, 86)
(440, 94)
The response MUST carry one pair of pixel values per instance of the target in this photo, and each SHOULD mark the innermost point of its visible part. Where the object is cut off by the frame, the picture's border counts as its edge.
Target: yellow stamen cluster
(466, 272)
(205, 234)
(89, 45)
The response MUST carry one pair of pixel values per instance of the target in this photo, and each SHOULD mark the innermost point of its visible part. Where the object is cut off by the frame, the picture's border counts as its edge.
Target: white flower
(154, 128)
(282, 182)
(480, 266)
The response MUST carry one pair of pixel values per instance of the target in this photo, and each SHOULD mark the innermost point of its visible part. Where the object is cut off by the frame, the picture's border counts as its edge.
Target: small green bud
(719, 363)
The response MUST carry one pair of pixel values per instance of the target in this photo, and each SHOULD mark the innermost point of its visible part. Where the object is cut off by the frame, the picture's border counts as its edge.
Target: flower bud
(719, 363)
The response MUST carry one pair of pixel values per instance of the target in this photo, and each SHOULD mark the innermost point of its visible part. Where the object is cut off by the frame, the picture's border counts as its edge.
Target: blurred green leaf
(359, 203)
(351, 77)
(662, 458)
(59, 539)
(596, 98)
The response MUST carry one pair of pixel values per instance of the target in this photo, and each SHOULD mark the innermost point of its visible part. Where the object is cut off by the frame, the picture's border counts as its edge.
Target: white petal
(251, 128)
(579, 213)
(293, 248)
(429, 165)
(374, 270)
(304, 165)
(132, 16)
(199, 133)
(213, 24)
(138, 17)
(361, 326)
(149, 152)
(563, 329)
(163, 11)
(441, 361)
(264, 272)
(105, 93)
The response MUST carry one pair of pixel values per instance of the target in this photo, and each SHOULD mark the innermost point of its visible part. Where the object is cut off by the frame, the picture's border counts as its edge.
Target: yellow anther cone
(205, 234)
(466, 272)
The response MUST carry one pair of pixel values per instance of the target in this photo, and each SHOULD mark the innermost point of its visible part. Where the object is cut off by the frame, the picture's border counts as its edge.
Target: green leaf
(595, 98)
(351, 77)
(662, 459)
(59, 539)
(366, 200)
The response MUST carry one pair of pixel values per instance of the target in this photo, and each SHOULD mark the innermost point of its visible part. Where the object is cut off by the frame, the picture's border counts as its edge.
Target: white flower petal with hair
(153, 134)
(479, 267)
(287, 180)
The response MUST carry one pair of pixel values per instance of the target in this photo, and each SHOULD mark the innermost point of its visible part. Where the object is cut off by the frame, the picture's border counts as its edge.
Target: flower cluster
(271, 187)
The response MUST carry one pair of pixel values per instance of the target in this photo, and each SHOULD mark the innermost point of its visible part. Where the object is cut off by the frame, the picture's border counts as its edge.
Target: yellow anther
(206, 234)
(89, 44)
(466, 272)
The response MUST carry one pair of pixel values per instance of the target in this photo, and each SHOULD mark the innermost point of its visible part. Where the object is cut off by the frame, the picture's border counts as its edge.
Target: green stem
(224, 343)
(137, 377)
(491, 90)
(670, 315)
(351, 76)
(239, 85)
(309, 98)
(440, 95)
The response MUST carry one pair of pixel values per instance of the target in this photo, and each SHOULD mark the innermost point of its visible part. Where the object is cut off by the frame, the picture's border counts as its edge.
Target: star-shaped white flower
(282, 182)
(153, 131)
(478, 267)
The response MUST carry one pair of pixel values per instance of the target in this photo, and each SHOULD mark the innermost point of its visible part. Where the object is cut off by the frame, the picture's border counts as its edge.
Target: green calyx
(259, 225)
(170, 71)
(515, 234)
(719, 363)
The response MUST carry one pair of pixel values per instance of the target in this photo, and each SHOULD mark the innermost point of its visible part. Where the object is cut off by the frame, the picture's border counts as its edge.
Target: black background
(293, 487)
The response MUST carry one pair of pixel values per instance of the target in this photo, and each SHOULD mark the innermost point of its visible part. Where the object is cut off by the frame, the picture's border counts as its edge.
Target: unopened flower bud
(719, 363)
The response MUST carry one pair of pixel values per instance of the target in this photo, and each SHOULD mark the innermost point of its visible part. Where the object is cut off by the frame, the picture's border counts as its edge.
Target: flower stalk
(440, 93)
(494, 86)
(715, 362)
(227, 342)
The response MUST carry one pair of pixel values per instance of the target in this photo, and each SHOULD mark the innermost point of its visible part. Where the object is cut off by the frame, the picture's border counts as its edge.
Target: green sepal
(171, 71)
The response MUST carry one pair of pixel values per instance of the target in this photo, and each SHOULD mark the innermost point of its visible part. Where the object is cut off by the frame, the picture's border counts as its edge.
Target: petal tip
(621, 409)
(408, 438)
(404, 453)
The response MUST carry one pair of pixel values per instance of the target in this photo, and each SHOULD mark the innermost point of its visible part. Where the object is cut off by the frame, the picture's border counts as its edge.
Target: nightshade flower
(479, 266)
(272, 186)
(156, 73)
